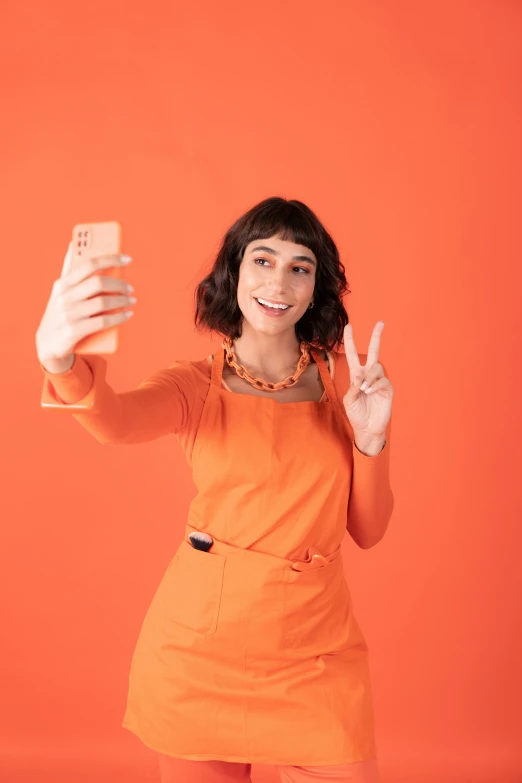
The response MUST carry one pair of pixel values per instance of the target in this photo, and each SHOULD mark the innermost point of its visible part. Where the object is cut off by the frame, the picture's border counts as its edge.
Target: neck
(271, 357)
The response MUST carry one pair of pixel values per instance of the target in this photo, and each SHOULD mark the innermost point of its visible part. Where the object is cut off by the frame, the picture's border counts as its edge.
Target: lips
(271, 301)
(285, 304)
(273, 311)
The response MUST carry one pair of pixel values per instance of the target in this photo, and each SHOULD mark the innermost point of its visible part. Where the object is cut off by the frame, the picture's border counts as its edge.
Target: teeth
(276, 307)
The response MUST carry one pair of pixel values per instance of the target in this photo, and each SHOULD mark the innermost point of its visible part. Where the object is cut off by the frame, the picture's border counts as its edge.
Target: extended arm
(161, 404)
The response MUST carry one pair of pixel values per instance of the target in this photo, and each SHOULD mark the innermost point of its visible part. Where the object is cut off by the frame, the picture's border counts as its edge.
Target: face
(278, 271)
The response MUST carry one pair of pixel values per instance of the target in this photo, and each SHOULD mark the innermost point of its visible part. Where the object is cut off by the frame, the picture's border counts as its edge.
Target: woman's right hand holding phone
(77, 308)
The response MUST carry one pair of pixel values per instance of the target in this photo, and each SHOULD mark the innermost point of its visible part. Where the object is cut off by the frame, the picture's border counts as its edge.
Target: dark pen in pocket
(201, 541)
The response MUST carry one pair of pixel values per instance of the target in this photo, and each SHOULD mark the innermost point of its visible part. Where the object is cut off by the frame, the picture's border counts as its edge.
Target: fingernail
(369, 389)
(126, 259)
(363, 385)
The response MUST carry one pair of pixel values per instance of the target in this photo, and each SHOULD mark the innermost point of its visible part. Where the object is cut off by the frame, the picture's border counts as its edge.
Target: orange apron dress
(251, 652)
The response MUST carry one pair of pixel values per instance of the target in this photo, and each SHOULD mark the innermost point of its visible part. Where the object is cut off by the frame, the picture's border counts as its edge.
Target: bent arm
(161, 404)
(370, 504)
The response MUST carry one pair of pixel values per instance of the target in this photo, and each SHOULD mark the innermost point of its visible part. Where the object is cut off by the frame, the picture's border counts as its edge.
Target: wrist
(57, 366)
(370, 445)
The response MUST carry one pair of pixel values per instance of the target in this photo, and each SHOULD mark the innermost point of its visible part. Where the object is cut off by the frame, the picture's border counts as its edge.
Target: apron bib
(250, 652)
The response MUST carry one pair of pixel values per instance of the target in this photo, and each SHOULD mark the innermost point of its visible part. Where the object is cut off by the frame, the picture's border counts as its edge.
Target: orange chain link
(258, 383)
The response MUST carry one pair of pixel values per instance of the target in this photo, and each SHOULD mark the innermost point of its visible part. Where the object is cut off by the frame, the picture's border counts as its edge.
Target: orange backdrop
(400, 124)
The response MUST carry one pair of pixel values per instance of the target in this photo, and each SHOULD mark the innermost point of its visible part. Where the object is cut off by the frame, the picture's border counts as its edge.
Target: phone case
(94, 239)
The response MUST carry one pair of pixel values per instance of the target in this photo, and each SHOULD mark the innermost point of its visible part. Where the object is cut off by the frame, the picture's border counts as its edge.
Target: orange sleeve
(370, 504)
(161, 404)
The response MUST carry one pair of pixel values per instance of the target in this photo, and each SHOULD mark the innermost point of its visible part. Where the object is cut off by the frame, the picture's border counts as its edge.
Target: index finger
(104, 259)
(91, 265)
(352, 357)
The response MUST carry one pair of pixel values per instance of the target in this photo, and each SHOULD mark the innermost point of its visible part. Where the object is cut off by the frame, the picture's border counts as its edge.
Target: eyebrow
(265, 249)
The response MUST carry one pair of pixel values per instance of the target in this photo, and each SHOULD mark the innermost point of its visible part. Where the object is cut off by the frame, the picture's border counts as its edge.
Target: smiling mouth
(274, 309)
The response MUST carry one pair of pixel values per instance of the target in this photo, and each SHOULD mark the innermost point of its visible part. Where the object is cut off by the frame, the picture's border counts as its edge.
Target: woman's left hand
(368, 408)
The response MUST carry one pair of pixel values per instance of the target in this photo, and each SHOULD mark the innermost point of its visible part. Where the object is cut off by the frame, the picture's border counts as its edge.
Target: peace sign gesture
(368, 401)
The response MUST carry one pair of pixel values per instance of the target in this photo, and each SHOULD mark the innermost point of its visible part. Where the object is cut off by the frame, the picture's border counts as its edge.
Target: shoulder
(199, 370)
(188, 367)
(185, 375)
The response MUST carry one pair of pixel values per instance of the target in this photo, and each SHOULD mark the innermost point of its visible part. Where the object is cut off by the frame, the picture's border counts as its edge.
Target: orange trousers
(174, 770)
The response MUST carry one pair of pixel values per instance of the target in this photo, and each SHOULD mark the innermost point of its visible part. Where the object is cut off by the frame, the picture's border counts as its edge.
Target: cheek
(248, 284)
(304, 290)
(243, 288)
(249, 275)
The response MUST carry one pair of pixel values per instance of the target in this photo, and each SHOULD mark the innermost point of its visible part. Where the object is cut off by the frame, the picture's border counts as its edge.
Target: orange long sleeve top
(170, 401)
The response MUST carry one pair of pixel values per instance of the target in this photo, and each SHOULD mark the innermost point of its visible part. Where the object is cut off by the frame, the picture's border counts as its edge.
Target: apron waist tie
(314, 560)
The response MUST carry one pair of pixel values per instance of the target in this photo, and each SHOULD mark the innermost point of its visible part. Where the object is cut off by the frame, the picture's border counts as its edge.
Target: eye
(295, 267)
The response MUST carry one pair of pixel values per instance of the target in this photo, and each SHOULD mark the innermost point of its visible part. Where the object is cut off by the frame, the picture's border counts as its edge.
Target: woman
(250, 651)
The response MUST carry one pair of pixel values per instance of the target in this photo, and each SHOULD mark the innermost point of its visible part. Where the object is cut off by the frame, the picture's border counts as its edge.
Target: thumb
(67, 261)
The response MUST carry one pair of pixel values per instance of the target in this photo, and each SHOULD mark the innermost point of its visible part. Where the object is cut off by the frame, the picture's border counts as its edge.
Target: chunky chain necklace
(258, 383)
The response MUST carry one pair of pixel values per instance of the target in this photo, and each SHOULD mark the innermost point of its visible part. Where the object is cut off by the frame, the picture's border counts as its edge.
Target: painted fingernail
(363, 385)
(369, 389)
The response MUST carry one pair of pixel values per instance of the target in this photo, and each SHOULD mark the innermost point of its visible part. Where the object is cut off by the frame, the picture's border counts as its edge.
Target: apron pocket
(316, 607)
(195, 586)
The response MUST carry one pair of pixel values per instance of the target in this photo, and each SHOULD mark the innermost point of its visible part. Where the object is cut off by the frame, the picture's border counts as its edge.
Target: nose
(279, 278)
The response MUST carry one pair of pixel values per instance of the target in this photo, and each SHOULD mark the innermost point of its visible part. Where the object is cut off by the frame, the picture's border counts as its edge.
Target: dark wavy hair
(215, 296)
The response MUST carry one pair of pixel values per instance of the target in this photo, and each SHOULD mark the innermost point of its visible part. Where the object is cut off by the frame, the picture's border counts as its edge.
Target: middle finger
(375, 342)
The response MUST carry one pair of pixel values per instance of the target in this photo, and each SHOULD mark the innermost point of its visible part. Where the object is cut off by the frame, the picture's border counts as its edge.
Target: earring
(311, 303)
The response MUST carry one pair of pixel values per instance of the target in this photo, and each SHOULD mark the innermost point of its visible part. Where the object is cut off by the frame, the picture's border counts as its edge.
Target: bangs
(281, 219)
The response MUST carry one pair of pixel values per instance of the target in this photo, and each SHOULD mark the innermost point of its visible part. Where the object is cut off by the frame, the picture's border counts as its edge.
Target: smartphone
(95, 239)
